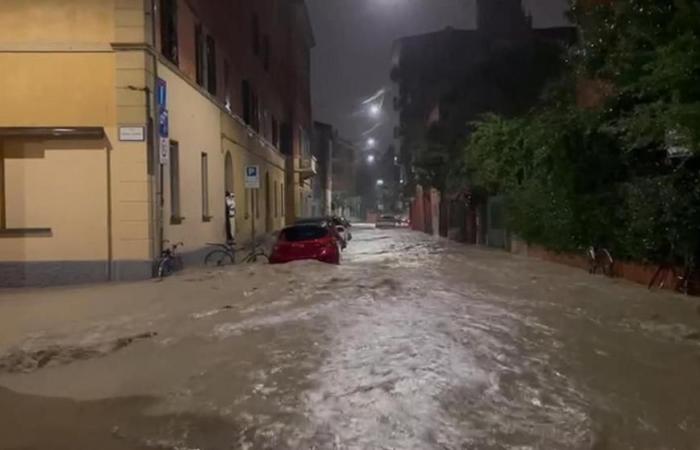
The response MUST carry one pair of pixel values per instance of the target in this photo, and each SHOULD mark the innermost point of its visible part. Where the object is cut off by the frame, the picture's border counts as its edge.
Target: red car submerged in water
(307, 241)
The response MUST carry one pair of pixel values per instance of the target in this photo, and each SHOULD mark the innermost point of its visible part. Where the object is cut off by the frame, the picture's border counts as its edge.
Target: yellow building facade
(84, 195)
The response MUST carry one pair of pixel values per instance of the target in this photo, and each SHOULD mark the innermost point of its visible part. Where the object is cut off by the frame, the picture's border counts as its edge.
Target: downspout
(110, 215)
(156, 167)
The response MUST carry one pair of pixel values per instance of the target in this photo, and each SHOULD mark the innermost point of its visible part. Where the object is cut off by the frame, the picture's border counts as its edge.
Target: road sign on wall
(252, 177)
(164, 150)
(163, 123)
(162, 94)
(132, 134)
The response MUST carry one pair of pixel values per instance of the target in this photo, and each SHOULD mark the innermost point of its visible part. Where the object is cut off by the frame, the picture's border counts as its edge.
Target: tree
(610, 176)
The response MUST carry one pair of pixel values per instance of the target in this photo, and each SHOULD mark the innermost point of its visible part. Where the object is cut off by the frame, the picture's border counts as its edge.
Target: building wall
(199, 125)
(247, 149)
(93, 63)
(61, 69)
(50, 23)
(39, 177)
(282, 90)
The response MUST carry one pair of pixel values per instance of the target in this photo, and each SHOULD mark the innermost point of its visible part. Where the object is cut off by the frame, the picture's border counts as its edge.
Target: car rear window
(303, 233)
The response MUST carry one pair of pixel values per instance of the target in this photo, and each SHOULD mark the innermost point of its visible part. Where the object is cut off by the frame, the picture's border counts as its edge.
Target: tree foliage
(580, 177)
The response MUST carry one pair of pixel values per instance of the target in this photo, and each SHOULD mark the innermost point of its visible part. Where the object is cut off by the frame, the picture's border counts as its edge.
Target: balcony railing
(308, 167)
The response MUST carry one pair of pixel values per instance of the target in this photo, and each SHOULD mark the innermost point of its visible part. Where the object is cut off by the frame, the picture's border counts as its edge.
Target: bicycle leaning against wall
(225, 254)
(169, 261)
(600, 259)
(682, 281)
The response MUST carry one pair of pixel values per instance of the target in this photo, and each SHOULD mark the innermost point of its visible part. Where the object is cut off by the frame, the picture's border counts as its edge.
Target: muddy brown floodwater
(413, 343)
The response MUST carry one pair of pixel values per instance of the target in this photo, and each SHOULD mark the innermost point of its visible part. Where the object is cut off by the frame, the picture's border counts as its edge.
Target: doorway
(228, 172)
(229, 220)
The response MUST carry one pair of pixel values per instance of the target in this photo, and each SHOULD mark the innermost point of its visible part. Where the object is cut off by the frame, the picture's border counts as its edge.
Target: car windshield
(303, 233)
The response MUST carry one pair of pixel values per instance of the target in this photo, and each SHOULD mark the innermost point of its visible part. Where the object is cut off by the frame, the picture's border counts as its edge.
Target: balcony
(308, 167)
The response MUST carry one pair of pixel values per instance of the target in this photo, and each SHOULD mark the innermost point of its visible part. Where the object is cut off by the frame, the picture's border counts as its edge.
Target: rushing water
(413, 343)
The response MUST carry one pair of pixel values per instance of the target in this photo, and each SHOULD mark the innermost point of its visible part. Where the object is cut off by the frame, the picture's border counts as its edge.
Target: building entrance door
(229, 198)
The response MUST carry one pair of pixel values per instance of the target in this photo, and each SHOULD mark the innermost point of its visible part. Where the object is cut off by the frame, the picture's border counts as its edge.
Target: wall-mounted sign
(163, 123)
(132, 134)
(252, 177)
(162, 94)
(164, 150)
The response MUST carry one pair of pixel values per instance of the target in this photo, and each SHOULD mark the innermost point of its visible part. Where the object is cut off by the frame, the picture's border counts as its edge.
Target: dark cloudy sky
(354, 38)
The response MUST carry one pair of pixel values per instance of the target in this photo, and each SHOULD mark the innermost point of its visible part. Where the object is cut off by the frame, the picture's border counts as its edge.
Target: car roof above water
(304, 232)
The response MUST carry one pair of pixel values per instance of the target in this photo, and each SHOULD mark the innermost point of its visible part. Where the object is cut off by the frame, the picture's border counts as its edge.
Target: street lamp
(375, 110)
(371, 142)
(370, 159)
(380, 182)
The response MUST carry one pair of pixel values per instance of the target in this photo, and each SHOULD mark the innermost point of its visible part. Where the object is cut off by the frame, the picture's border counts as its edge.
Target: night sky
(354, 38)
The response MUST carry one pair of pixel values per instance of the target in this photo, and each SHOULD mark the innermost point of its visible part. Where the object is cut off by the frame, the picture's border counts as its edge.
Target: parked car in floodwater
(340, 226)
(388, 222)
(306, 241)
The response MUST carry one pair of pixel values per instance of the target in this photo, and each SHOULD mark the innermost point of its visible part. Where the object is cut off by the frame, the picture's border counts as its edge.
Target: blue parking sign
(252, 177)
(162, 93)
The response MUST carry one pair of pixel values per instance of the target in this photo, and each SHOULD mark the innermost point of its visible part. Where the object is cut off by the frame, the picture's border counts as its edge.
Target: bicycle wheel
(218, 258)
(253, 257)
(164, 268)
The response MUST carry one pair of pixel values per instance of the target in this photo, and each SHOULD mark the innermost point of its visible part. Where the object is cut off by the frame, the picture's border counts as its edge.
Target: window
(251, 107)
(264, 127)
(283, 205)
(205, 58)
(304, 143)
(266, 53)
(199, 53)
(275, 133)
(255, 112)
(175, 217)
(211, 65)
(205, 188)
(21, 210)
(256, 34)
(227, 85)
(168, 30)
(245, 96)
(301, 233)
(286, 139)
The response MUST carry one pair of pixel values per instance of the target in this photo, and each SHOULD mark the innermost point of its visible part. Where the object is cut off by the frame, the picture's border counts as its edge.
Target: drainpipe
(157, 167)
(110, 215)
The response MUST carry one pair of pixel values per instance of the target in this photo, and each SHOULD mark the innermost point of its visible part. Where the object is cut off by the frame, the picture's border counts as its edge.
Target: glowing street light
(380, 182)
(375, 110)
(370, 159)
(371, 142)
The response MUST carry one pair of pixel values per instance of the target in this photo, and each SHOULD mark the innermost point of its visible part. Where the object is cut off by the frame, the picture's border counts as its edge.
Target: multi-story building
(450, 78)
(446, 79)
(125, 122)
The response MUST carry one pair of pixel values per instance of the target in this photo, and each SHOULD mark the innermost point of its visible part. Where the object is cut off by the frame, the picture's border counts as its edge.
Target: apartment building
(125, 122)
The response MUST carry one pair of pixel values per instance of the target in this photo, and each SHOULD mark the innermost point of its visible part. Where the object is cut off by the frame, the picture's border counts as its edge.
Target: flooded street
(412, 343)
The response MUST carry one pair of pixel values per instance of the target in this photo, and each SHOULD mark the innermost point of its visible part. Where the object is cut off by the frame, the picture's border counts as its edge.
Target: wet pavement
(413, 343)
